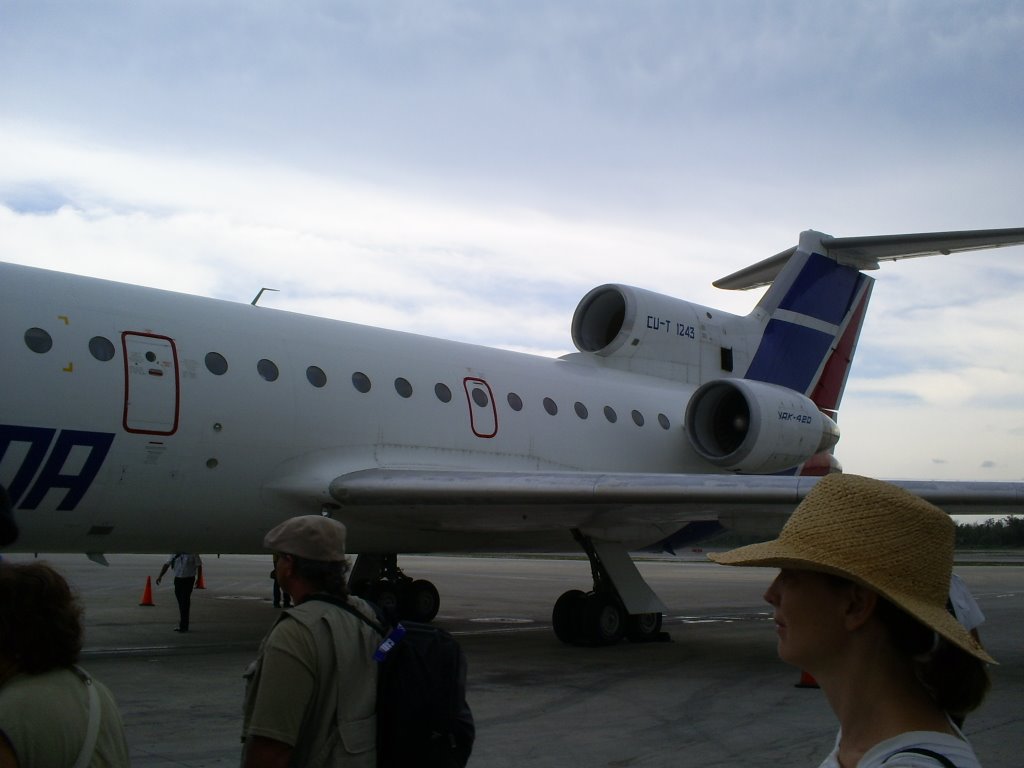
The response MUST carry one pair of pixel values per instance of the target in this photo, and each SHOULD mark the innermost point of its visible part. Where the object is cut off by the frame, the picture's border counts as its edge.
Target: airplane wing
(866, 252)
(482, 500)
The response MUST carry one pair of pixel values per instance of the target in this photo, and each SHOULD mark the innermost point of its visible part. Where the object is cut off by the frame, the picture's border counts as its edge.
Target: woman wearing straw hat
(860, 604)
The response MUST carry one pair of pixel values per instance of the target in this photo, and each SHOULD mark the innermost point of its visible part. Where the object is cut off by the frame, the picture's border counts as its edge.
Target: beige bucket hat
(877, 535)
(312, 537)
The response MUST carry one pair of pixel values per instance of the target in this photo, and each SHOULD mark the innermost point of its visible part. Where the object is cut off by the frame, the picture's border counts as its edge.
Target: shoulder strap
(378, 626)
(92, 730)
(391, 637)
(945, 761)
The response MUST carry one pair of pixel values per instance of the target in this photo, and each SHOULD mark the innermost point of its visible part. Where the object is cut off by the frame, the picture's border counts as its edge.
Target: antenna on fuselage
(260, 294)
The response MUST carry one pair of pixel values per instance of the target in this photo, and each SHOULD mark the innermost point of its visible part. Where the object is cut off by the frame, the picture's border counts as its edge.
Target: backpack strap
(391, 637)
(945, 761)
(92, 730)
(378, 626)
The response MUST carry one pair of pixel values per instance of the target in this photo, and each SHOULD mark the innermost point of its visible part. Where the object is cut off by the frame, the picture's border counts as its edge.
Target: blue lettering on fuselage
(48, 472)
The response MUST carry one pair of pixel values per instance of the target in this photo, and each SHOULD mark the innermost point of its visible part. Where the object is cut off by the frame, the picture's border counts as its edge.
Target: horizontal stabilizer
(866, 252)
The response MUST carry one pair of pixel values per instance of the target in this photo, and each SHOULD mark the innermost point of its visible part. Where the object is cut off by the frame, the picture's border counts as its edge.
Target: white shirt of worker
(184, 566)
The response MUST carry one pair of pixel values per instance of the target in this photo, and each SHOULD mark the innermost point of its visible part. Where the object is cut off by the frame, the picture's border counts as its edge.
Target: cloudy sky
(471, 169)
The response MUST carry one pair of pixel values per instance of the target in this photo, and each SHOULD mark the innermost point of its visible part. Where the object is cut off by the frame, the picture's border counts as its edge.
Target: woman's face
(810, 610)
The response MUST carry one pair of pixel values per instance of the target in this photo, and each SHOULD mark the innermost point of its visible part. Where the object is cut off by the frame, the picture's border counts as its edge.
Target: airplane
(140, 420)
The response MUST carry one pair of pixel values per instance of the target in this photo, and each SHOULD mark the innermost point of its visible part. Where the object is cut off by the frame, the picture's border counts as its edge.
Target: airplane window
(38, 340)
(361, 382)
(267, 369)
(480, 397)
(403, 387)
(550, 406)
(101, 348)
(216, 364)
(663, 420)
(609, 413)
(316, 376)
(443, 393)
(638, 418)
(581, 410)
(515, 401)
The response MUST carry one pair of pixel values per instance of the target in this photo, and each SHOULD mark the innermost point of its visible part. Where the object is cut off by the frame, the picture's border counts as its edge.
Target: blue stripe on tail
(792, 352)
(823, 290)
(789, 355)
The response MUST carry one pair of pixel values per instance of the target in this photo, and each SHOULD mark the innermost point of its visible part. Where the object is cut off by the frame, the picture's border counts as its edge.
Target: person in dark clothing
(188, 572)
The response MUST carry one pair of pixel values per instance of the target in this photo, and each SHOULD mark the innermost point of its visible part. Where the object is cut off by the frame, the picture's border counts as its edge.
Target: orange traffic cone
(201, 584)
(806, 681)
(147, 594)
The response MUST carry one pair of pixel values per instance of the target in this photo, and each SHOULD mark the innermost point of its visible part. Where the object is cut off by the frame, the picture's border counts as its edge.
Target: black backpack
(423, 719)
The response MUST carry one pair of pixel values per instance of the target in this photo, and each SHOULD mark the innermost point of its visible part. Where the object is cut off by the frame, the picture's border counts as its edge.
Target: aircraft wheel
(421, 602)
(605, 621)
(643, 627)
(567, 617)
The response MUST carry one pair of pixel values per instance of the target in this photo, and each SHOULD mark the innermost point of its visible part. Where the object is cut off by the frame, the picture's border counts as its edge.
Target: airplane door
(150, 384)
(483, 415)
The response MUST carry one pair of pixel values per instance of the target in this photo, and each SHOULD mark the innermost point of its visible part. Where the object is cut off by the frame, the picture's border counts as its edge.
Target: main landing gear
(378, 578)
(600, 617)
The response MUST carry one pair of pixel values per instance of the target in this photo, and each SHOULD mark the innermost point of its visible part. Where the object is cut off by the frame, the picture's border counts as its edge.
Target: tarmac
(715, 695)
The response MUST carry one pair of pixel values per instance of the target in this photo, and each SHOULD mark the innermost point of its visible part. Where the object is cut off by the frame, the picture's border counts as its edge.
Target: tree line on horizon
(994, 533)
(997, 533)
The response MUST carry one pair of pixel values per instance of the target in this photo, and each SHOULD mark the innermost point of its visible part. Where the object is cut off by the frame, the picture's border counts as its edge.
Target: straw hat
(878, 535)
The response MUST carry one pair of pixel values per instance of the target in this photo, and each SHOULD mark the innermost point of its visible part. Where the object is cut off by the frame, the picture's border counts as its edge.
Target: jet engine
(620, 321)
(756, 428)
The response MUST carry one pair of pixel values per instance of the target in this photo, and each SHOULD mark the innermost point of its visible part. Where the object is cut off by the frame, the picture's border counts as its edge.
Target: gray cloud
(656, 99)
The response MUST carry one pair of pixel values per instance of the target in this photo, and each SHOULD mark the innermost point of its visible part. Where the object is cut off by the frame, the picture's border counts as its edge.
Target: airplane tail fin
(815, 306)
(807, 324)
(811, 318)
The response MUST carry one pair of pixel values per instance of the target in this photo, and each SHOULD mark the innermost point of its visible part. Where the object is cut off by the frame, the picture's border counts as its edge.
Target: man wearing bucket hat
(860, 604)
(311, 695)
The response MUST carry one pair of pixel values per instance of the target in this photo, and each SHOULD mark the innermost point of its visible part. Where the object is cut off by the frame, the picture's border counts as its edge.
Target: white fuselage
(209, 461)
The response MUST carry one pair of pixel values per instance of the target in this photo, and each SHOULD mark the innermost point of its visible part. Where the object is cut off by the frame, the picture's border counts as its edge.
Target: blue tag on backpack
(394, 638)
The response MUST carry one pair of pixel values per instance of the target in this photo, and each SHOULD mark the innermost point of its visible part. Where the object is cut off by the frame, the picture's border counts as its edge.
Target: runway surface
(716, 695)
